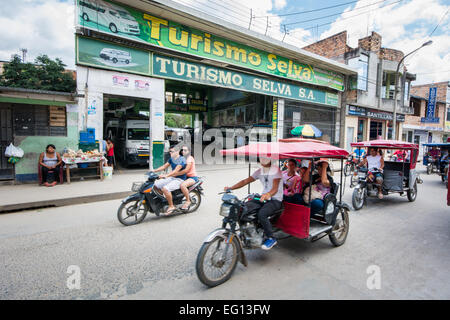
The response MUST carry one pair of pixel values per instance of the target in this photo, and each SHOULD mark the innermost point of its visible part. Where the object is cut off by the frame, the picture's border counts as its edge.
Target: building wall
(424, 90)
(333, 47)
(100, 82)
(27, 168)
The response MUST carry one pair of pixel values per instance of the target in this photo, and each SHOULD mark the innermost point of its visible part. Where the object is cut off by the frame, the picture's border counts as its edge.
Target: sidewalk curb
(64, 201)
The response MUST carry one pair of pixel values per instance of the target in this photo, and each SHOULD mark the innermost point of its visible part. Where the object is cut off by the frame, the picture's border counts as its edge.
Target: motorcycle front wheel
(130, 213)
(347, 170)
(216, 261)
(358, 198)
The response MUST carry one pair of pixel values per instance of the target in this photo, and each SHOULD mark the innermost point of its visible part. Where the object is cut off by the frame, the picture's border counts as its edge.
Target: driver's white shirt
(373, 162)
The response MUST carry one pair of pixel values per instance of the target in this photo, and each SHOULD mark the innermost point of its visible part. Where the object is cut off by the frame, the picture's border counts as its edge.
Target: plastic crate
(88, 136)
(88, 146)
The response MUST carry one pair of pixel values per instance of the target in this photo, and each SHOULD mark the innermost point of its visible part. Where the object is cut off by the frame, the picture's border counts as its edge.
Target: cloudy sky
(46, 26)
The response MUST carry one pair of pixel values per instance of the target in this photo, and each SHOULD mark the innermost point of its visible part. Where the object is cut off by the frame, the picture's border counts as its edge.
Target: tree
(44, 74)
(174, 120)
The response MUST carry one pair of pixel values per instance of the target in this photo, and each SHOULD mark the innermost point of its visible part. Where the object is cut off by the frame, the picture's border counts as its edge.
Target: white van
(132, 142)
(115, 55)
(108, 15)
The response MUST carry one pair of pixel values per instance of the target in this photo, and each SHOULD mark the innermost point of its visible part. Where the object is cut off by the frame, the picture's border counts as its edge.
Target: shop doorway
(126, 122)
(376, 130)
(6, 137)
(350, 133)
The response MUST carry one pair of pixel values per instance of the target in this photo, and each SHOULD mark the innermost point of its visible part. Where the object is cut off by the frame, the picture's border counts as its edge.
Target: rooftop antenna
(24, 54)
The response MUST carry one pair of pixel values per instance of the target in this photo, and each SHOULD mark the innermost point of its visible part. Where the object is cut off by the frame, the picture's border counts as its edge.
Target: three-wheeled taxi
(435, 158)
(240, 230)
(398, 177)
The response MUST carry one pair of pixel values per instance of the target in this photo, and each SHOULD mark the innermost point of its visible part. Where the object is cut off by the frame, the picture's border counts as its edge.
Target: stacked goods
(81, 154)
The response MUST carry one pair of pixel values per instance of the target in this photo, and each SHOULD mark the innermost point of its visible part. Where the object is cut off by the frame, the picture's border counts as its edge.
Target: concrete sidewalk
(28, 196)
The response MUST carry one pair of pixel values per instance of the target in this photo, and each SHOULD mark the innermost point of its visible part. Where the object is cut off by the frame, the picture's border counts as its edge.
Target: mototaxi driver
(375, 162)
(270, 177)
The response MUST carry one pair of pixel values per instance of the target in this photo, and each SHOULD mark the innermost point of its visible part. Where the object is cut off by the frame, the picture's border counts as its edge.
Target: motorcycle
(350, 165)
(432, 165)
(135, 207)
(245, 232)
(365, 188)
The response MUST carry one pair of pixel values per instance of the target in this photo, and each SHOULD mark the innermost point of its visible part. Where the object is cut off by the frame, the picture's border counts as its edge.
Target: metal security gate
(6, 137)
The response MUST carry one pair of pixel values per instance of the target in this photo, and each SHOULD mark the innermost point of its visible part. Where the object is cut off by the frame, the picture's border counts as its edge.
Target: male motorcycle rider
(270, 176)
(375, 161)
(173, 180)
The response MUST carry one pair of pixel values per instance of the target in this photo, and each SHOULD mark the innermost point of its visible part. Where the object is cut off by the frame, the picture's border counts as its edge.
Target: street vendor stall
(79, 160)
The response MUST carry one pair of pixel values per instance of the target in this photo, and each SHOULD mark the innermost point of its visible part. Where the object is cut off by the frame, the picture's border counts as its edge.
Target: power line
(356, 15)
(303, 12)
(438, 24)
(337, 14)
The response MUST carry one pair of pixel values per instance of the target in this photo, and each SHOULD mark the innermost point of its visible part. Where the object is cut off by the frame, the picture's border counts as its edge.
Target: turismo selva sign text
(127, 22)
(177, 69)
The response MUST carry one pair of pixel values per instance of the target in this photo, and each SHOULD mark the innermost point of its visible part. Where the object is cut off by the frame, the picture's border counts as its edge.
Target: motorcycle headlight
(330, 208)
(225, 210)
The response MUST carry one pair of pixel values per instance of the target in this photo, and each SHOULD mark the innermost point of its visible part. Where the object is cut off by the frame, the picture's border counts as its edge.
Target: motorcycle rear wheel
(206, 275)
(339, 232)
(128, 210)
(196, 199)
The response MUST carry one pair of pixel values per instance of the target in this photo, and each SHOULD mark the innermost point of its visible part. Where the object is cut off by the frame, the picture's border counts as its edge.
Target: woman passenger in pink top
(191, 175)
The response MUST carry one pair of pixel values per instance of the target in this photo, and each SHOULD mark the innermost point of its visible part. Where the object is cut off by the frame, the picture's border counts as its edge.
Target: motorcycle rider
(270, 177)
(434, 155)
(173, 180)
(375, 162)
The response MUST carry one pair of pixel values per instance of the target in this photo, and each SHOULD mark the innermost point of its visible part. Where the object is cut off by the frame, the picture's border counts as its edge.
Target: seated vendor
(292, 183)
(50, 162)
(321, 185)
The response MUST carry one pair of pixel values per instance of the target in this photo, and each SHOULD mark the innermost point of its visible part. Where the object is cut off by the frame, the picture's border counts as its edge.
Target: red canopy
(386, 144)
(284, 150)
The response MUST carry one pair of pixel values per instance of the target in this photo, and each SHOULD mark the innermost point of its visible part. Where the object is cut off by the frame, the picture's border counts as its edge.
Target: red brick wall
(371, 43)
(424, 90)
(331, 47)
(390, 54)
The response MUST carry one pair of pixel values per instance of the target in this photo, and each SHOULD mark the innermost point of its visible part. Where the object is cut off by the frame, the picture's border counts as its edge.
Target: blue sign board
(431, 102)
(429, 117)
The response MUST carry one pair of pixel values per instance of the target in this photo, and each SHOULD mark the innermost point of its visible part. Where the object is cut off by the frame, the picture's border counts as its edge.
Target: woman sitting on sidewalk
(50, 162)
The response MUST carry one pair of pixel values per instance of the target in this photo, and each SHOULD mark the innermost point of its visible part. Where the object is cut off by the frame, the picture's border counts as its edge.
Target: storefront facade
(226, 77)
(32, 119)
(368, 124)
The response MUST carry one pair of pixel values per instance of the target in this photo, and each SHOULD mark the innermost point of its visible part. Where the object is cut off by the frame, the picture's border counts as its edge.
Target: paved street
(409, 242)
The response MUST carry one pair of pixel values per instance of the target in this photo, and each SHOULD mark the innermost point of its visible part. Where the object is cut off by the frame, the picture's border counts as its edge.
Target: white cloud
(404, 26)
(280, 4)
(43, 27)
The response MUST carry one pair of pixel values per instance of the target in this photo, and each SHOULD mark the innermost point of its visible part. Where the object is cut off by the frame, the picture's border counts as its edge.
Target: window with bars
(39, 120)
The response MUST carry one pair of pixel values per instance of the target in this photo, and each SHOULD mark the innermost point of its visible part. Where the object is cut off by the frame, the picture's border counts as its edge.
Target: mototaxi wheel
(130, 214)
(212, 253)
(339, 232)
(412, 193)
(358, 198)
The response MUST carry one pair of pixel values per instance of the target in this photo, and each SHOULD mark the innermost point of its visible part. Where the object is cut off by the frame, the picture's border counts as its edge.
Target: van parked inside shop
(131, 141)
(108, 15)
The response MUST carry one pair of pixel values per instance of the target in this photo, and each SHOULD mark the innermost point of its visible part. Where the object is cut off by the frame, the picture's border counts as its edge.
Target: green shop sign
(177, 69)
(111, 56)
(127, 22)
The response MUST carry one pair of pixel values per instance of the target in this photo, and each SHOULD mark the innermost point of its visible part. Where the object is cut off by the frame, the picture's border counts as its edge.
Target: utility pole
(24, 54)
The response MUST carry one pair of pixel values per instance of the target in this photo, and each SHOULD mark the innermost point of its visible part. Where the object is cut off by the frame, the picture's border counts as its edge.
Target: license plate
(143, 155)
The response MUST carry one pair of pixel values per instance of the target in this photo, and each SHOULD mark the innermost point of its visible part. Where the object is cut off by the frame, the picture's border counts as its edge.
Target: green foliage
(44, 74)
(174, 120)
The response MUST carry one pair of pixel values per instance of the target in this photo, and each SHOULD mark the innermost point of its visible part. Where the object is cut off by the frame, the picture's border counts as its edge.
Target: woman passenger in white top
(375, 162)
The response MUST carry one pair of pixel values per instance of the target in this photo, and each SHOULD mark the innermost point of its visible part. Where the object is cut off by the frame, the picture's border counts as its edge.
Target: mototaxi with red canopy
(295, 219)
(399, 176)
